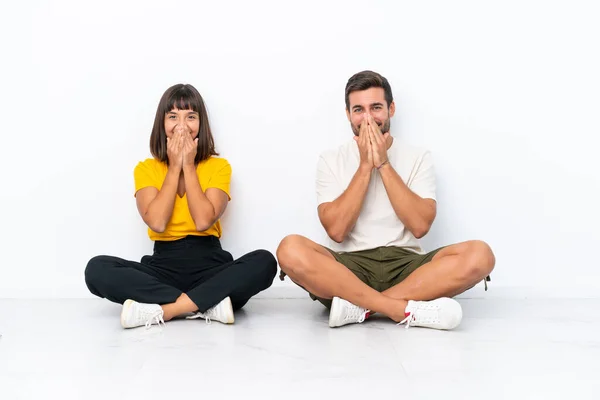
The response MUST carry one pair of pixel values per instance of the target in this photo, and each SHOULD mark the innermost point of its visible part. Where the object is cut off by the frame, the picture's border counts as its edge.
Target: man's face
(369, 102)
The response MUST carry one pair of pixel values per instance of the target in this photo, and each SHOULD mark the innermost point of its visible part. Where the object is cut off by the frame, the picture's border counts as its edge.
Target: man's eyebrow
(372, 104)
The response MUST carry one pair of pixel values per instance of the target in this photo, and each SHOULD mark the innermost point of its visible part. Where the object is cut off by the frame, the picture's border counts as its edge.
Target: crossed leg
(452, 270)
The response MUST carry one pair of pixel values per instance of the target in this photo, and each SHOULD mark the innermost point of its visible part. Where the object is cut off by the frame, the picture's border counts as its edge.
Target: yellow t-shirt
(212, 173)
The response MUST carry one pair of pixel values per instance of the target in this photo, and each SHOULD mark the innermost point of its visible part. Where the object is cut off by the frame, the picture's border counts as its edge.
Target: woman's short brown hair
(182, 97)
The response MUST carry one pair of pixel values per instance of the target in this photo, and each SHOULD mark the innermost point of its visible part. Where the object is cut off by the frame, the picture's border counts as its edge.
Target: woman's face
(186, 121)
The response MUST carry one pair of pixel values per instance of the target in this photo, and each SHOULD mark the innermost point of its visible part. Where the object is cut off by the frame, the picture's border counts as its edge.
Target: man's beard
(385, 127)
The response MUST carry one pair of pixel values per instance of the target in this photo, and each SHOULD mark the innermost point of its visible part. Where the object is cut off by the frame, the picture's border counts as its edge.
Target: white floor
(283, 349)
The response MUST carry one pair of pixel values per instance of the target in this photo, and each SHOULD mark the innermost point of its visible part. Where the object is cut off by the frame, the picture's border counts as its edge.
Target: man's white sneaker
(442, 313)
(134, 314)
(343, 312)
(222, 312)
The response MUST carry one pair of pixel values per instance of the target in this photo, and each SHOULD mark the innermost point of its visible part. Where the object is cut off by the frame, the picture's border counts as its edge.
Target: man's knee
(292, 255)
(289, 250)
(479, 260)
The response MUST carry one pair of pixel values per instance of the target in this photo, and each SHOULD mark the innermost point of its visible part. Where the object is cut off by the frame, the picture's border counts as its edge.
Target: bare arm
(417, 214)
(205, 208)
(156, 206)
(339, 216)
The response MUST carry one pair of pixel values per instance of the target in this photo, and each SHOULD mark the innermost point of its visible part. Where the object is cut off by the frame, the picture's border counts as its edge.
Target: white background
(505, 94)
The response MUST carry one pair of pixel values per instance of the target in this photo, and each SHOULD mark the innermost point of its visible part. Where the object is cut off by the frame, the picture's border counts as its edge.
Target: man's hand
(378, 142)
(364, 147)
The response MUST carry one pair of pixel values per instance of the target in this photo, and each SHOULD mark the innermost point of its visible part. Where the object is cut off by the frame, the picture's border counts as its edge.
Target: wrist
(365, 169)
(385, 164)
(187, 168)
(174, 168)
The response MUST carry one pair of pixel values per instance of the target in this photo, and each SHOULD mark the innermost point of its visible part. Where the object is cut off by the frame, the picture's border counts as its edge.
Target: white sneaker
(343, 312)
(136, 314)
(222, 312)
(442, 313)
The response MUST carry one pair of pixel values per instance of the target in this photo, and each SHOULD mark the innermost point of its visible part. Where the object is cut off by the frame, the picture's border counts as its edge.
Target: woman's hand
(175, 150)
(190, 148)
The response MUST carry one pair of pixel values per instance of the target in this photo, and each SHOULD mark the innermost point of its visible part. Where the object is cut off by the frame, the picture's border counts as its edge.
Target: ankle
(171, 311)
(167, 315)
(397, 312)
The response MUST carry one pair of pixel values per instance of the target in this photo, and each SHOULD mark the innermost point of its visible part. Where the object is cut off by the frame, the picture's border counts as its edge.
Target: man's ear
(348, 115)
(392, 109)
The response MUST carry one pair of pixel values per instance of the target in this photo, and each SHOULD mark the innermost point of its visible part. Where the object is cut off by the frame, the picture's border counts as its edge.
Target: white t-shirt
(377, 225)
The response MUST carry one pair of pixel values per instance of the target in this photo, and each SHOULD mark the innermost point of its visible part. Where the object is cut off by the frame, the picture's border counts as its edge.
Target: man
(376, 197)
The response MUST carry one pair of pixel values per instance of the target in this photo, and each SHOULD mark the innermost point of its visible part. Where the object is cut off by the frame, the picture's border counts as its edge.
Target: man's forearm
(339, 216)
(415, 213)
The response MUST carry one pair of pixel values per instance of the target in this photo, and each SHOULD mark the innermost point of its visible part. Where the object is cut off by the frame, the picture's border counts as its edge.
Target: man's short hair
(365, 80)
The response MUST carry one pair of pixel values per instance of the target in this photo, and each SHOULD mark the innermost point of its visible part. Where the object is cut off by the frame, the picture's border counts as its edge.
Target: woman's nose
(181, 126)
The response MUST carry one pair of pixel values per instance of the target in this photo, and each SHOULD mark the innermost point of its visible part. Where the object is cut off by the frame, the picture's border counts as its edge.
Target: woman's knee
(93, 268)
(265, 261)
(96, 270)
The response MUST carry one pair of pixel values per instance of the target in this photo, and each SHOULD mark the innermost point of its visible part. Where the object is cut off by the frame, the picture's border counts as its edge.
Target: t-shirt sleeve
(328, 188)
(424, 182)
(221, 179)
(145, 176)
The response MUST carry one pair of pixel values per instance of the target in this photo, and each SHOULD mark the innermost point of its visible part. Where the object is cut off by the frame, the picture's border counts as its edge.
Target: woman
(181, 193)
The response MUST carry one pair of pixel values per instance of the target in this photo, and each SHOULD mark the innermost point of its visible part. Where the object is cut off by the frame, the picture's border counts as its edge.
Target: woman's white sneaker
(134, 314)
(443, 313)
(222, 312)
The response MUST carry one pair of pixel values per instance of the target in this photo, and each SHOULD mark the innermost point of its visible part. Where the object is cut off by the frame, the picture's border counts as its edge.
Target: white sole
(334, 307)
(124, 310)
(230, 318)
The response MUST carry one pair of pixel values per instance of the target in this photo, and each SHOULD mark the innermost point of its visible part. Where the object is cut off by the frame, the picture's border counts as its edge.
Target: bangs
(182, 99)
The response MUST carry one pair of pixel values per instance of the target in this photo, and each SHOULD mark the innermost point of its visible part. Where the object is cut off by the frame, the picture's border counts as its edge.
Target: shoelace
(408, 320)
(356, 313)
(423, 316)
(203, 315)
(155, 317)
